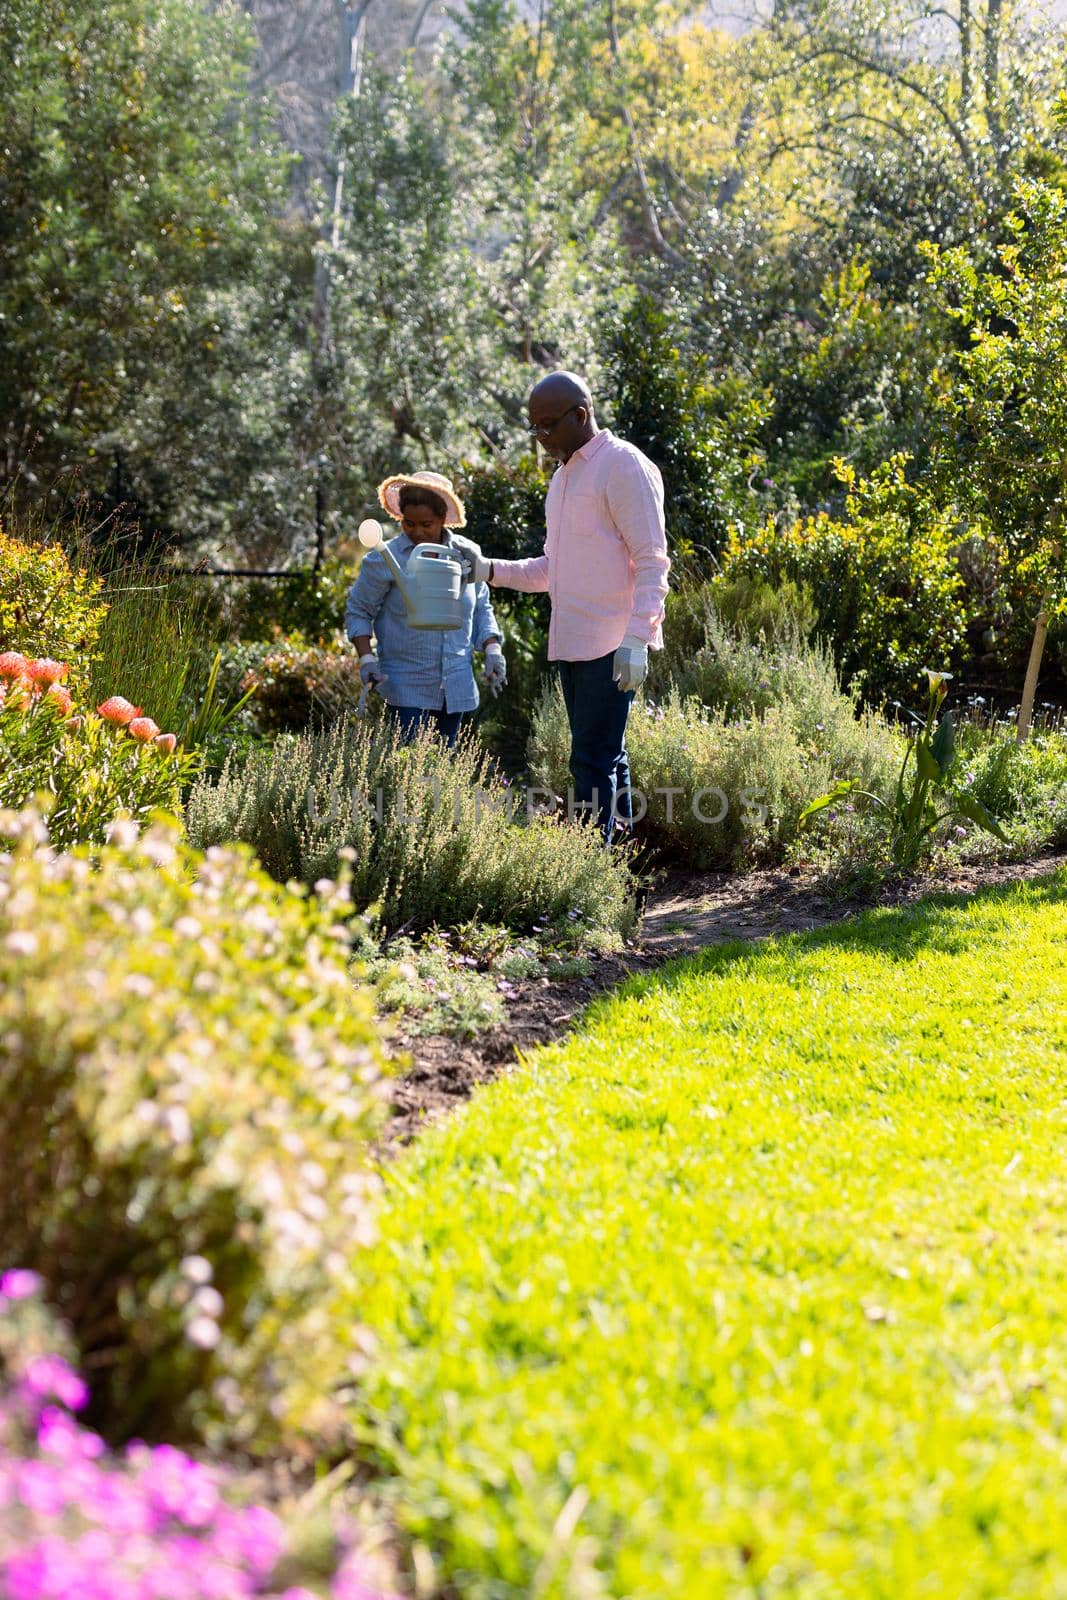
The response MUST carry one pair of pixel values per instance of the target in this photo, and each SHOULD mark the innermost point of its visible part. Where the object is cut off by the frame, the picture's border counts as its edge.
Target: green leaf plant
(925, 796)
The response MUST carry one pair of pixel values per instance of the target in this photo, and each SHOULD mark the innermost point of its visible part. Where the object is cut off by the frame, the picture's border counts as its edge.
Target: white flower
(123, 833)
(197, 1269)
(937, 678)
(208, 1302)
(187, 928)
(21, 943)
(203, 1332)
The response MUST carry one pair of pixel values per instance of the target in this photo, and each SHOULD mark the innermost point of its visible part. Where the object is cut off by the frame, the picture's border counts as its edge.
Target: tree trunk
(1037, 650)
(966, 60)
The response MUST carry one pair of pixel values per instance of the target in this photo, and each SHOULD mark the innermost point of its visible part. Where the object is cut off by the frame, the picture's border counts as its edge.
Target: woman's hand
(370, 672)
(495, 675)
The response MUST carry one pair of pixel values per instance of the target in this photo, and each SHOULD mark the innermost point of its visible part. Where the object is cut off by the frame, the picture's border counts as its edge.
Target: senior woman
(426, 678)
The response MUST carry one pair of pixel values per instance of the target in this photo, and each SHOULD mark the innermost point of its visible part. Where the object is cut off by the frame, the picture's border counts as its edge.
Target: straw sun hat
(389, 495)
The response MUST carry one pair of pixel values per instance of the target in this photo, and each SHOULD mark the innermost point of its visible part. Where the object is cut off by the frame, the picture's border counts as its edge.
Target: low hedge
(427, 831)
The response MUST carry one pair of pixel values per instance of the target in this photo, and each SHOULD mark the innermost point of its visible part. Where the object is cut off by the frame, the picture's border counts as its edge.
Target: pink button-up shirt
(605, 563)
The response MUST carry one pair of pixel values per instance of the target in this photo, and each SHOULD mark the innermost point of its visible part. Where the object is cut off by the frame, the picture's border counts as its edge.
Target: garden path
(685, 913)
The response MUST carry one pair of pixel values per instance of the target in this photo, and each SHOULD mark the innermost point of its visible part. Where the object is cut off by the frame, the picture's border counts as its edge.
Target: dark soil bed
(685, 913)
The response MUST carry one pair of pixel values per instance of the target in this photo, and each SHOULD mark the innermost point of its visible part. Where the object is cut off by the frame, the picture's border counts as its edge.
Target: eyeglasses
(544, 428)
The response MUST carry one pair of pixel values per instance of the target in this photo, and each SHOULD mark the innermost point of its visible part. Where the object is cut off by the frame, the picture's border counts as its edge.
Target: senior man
(605, 568)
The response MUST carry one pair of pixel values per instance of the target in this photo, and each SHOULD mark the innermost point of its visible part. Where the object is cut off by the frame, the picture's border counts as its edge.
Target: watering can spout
(370, 535)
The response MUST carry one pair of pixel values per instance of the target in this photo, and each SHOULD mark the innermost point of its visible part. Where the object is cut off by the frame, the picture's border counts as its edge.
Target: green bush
(765, 767)
(296, 683)
(188, 1081)
(305, 602)
(1023, 785)
(506, 508)
(87, 768)
(427, 828)
(885, 580)
(701, 428)
(47, 605)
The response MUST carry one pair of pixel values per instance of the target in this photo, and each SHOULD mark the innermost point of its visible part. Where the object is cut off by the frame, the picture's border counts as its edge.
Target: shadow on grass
(895, 933)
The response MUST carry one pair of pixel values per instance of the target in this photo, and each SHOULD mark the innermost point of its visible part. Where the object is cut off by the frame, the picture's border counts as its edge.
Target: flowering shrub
(296, 683)
(46, 604)
(77, 1520)
(201, 1079)
(93, 767)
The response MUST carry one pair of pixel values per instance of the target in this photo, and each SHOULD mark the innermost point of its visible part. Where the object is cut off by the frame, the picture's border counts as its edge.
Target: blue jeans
(411, 719)
(597, 712)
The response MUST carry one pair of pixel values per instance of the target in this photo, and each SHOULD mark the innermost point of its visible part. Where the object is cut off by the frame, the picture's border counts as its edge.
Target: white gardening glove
(630, 664)
(476, 566)
(495, 675)
(370, 672)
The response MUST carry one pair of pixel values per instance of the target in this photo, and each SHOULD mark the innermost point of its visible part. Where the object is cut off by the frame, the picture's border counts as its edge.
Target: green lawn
(755, 1288)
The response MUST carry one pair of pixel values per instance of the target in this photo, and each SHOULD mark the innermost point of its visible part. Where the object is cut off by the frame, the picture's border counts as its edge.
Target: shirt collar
(591, 446)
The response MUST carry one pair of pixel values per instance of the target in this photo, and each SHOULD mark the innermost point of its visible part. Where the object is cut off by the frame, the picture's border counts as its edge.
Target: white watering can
(432, 586)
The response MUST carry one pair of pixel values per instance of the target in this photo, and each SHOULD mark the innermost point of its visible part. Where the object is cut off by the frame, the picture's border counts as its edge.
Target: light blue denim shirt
(431, 670)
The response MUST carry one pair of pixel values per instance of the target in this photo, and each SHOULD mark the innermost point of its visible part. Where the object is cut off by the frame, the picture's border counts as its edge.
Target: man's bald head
(561, 414)
(564, 389)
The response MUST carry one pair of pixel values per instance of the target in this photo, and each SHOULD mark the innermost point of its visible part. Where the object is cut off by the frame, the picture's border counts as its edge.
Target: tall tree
(141, 274)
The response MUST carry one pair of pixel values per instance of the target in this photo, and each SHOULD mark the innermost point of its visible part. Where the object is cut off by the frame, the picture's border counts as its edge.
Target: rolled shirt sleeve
(366, 595)
(635, 500)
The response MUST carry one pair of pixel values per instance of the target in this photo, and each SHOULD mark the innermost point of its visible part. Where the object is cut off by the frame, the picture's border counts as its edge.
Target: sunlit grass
(756, 1286)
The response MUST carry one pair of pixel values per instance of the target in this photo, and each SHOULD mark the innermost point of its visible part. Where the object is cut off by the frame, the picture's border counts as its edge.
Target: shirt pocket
(583, 516)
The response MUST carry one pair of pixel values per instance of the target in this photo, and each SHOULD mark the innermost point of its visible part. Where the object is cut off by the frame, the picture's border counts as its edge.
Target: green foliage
(700, 430)
(436, 987)
(157, 628)
(848, 379)
(296, 683)
(1002, 454)
(427, 830)
(505, 508)
(885, 578)
(726, 793)
(146, 301)
(912, 817)
(87, 770)
(754, 608)
(48, 605)
(701, 1282)
(202, 1079)
(306, 602)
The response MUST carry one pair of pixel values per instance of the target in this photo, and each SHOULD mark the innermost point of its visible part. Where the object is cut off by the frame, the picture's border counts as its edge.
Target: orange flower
(143, 728)
(166, 742)
(60, 697)
(12, 664)
(45, 670)
(118, 710)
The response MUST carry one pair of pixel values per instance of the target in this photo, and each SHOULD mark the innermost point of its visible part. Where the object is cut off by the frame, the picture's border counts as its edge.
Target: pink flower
(61, 698)
(51, 1377)
(142, 728)
(45, 670)
(166, 742)
(19, 1283)
(119, 710)
(12, 664)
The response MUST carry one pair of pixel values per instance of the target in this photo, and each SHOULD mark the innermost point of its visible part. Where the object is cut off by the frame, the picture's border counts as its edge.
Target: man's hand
(370, 672)
(476, 566)
(630, 664)
(495, 675)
